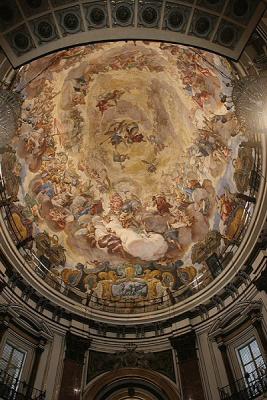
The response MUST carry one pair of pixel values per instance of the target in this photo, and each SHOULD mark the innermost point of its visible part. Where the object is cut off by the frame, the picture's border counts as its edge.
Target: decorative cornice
(230, 321)
(22, 318)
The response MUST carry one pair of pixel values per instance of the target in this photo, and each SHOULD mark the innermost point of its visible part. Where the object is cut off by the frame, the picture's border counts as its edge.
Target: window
(12, 362)
(251, 360)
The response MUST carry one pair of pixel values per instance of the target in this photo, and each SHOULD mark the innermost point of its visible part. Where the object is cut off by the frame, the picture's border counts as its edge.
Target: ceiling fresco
(129, 168)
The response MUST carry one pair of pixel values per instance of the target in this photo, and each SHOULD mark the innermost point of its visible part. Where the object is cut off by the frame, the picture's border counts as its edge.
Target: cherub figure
(157, 142)
(120, 158)
(151, 165)
(108, 100)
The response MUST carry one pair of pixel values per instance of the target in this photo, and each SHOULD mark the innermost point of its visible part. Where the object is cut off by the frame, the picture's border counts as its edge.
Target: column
(38, 352)
(258, 326)
(4, 323)
(191, 385)
(73, 367)
(227, 366)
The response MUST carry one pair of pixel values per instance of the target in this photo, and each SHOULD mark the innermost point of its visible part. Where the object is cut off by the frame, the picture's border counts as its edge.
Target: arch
(46, 27)
(119, 384)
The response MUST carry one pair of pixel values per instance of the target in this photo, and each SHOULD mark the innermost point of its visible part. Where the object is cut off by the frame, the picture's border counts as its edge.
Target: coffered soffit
(32, 28)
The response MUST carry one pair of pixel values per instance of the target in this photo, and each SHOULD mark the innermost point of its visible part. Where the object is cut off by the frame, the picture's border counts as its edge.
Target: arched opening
(131, 384)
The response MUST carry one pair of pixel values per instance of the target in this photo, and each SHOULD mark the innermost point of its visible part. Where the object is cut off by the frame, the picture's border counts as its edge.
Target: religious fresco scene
(129, 168)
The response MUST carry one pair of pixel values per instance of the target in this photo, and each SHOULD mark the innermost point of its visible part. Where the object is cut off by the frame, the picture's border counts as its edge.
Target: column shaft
(185, 347)
(73, 367)
(227, 366)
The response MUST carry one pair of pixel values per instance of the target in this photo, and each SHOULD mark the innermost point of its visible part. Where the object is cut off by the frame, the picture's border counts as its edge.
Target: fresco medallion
(129, 173)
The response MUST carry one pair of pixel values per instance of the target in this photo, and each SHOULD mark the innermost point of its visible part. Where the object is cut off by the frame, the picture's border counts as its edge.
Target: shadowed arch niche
(131, 383)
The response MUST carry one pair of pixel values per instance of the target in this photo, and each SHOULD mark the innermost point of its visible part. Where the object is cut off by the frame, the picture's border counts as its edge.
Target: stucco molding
(241, 313)
(21, 317)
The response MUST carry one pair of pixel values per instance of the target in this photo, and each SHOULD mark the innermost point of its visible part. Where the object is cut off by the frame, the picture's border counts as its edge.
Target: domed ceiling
(129, 173)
